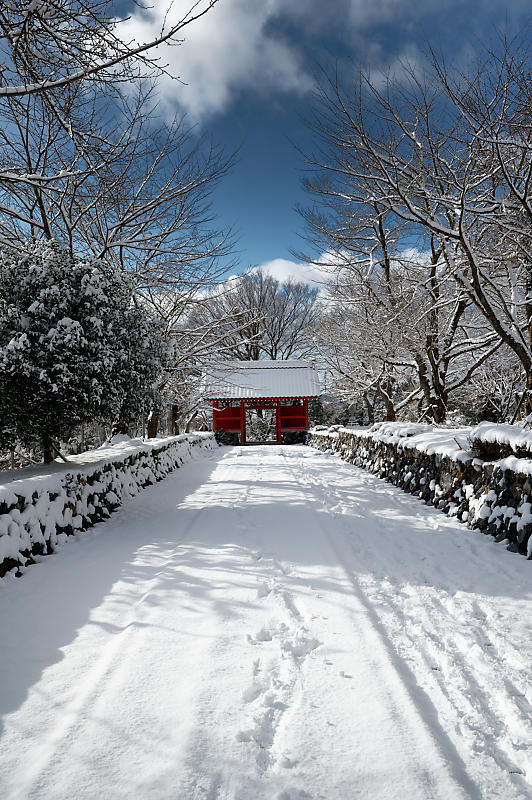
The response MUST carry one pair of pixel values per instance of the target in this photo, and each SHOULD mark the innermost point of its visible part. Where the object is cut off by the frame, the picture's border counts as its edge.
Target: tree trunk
(369, 409)
(174, 416)
(436, 407)
(48, 456)
(527, 404)
(153, 424)
(437, 410)
(390, 410)
(386, 394)
(190, 421)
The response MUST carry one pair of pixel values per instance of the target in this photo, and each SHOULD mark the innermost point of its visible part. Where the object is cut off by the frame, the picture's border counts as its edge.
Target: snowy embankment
(41, 506)
(443, 466)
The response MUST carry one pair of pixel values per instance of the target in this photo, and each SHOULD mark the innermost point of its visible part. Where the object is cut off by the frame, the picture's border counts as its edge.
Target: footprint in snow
(297, 644)
(264, 635)
(288, 763)
(263, 590)
(251, 694)
(300, 645)
(270, 701)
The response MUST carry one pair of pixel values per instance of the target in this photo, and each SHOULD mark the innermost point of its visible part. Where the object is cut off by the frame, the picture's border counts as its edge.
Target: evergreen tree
(74, 345)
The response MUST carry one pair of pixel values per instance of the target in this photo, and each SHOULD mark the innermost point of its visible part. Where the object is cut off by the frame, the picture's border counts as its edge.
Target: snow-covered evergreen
(73, 345)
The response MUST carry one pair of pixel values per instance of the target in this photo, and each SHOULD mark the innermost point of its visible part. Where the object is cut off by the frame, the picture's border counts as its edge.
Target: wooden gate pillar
(242, 423)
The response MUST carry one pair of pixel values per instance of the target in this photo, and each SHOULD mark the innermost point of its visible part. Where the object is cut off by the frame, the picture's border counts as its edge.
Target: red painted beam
(242, 423)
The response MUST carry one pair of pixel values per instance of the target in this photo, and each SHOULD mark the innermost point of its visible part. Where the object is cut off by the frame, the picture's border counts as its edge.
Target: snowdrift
(43, 505)
(482, 475)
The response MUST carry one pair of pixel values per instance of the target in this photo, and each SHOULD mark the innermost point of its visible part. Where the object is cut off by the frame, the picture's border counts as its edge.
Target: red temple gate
(261, 400)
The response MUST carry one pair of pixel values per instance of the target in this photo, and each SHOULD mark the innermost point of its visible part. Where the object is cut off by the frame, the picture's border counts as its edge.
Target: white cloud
(230, 49)
(317, 275)
(282, 269)
(363, 13)
(414, 255)
(237, 46)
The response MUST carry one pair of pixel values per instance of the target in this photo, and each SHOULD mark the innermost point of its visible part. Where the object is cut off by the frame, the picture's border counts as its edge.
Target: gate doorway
(261, 424)
(260, 401)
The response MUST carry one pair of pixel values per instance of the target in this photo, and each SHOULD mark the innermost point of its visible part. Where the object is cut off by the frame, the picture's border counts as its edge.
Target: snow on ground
(269, 622)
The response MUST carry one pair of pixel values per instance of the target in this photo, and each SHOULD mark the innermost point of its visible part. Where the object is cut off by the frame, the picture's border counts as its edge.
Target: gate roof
(242, 380)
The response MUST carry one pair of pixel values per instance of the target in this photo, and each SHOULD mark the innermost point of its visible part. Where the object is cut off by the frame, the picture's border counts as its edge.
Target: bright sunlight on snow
(269, 623)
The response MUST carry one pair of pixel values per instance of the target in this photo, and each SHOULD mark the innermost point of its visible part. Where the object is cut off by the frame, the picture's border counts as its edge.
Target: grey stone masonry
(39, 512)
(482, 494)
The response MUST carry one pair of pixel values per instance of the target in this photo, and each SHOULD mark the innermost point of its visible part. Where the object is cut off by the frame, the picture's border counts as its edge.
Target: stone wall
(40, 508)
(488, 496)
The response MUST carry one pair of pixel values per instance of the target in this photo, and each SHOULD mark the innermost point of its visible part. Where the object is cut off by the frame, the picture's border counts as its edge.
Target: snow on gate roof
(242, 380)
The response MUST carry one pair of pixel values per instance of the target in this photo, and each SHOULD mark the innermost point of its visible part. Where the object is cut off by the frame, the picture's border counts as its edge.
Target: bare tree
(80, 155)
(450, 156)
(411, 318)
(133, 193)
(494, 391)
(48, 45)
(263, 317)
(362, 362)
(84, 160)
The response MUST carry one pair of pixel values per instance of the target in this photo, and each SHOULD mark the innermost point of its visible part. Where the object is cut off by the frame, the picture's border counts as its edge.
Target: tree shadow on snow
(254, 524)
(43, 611)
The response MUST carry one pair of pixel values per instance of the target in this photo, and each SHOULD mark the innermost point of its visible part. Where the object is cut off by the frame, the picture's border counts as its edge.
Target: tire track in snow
(485, 693)
(405, 729)
(220, 785)
(477, 698)
(281, 645)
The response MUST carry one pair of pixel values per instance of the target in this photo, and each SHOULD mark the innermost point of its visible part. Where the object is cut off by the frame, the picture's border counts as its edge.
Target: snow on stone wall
(439, 466)
(43, 505)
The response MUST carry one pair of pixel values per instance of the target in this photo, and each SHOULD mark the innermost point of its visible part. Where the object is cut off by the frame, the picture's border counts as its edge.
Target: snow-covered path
(269, 622)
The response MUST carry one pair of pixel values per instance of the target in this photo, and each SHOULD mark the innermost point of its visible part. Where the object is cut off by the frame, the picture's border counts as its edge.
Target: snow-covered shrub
(74, 346)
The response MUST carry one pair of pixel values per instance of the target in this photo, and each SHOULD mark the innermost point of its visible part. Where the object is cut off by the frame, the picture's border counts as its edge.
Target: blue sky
(249, 68)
